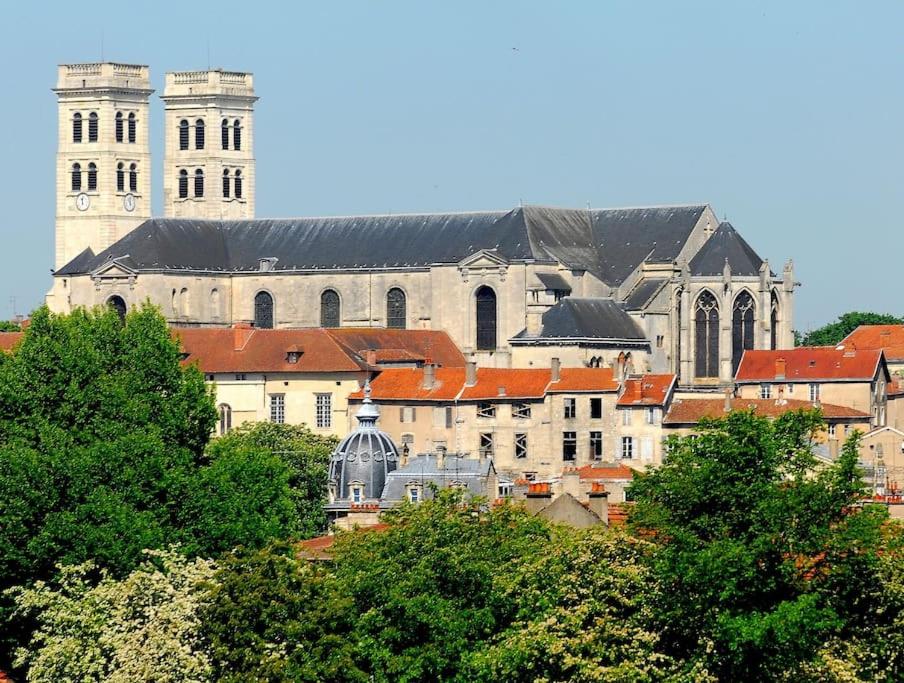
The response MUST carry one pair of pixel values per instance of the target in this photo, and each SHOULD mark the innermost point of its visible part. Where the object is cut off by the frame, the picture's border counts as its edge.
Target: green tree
(9, 326)
(761, 558)
(834, 332)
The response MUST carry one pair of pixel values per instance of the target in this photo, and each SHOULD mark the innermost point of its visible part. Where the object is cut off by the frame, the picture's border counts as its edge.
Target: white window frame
(626, 417)
(765, 390)
(356, 492)
(814, 390)
(596, 438)
(652, 415)
(570, 410)
(278, 408)
(572, 440)
(324, 410)
(627, 448)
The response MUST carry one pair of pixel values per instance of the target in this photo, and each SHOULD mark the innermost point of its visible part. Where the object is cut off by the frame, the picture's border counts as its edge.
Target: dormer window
(414, 491)
(293, 355)
(266, 264)
(356, 492)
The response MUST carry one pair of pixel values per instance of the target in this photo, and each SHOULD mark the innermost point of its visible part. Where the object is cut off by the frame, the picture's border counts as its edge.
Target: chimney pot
(780, 368)
(599, 501)
(429, 376)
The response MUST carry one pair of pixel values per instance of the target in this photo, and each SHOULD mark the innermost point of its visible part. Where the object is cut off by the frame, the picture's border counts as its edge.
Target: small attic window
(812, 363)
(266, 264)
(293, 354)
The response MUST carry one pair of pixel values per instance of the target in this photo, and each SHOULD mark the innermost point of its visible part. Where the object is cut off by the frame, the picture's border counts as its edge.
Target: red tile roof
(574, 380)
(400, 345)
(647, 390)
(319, 548)
(809, 363)
(692, 410)
(255, 350)
(398, 384)
(603, 471)
(888, 338)
(896, 387)
(618, 513)
(7, 341)
(507, 383)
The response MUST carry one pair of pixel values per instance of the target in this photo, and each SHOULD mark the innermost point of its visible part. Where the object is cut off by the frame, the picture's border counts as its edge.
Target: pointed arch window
(396, 309)
(263, 310)
(742, 328)
(183, 134)
(486, 319)
(706, 336)
(199, 182)
(120, 177)
(330, 309)
(92, 127)
(133, 177)
(224, 134)
(118, 304)
(183, 184)
(773, 322)
(226, 184)
(119, 127)
(76, 127)
(237, 185)
(76, 177)
(199, 134)
(237, 135)
(92, 177)
(133, 125)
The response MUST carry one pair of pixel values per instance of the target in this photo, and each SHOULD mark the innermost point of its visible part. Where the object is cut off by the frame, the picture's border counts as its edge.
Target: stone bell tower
(208, 166)
(103, 177)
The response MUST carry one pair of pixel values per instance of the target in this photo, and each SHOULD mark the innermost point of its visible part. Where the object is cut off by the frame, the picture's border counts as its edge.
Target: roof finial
(367, 414)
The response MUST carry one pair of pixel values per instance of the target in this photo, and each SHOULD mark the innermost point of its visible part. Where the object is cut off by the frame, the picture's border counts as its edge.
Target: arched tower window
(773, 322)
(225, 418)
(76, 127)
(183, 184)
(330, 310)
(224, 134)
(396, 309)
(92, 127)
(92, 177)
(706, 336)
(199, 183)
(119, 128)
(237, 135)
(76, 177)
(215, 303)
(237, 184)
(199, 134)
(486, 319)
(183, 134)
(263, 310)
(226, 184)
(133, 123)
(742, 315)
(120, 177)
(184, 303)
(133, 177)
(119, 305)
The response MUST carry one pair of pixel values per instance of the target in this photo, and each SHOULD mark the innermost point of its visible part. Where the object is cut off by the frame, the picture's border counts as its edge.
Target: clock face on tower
(128, 202)
(82, 202)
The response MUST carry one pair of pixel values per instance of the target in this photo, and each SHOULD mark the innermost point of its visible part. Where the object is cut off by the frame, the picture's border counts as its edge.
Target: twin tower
(104, 162)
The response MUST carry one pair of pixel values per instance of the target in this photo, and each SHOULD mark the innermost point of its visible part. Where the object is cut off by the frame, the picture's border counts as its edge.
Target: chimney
(241, 333)
(780, 368)
(599, 501)
(538, 496)
(470, 373)
(637, 390)
(370, 357)
(440, 457)
(429, 376)
(534, 323)
(554, 367)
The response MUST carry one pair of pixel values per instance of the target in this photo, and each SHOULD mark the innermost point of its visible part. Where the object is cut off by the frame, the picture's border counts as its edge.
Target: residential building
(641, 405)
(886, 338)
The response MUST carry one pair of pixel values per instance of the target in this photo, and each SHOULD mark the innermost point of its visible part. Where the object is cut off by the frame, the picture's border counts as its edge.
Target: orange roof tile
(692, 410)
(647, 390)
(618, 513)
(318, 548)
(9, 339)
(809, 363)
(604, 471)
(888, 338)
(407, 384)
(896, 387)
(256, 350)
(397, 345)
(507, 383)
(573, 380)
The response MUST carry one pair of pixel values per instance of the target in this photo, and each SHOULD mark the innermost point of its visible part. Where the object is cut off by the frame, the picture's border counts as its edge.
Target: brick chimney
(637, 390)
(780, 368)
(470, 373)
(599, 501)
(429, 376)
(555, 366)
(241, 333)
(539, 495)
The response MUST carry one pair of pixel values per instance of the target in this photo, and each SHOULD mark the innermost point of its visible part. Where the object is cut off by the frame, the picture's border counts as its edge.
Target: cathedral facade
(658, 289)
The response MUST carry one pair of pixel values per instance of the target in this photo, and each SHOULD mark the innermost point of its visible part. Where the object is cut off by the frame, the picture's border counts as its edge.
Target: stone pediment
(485, 258)
(114, 270)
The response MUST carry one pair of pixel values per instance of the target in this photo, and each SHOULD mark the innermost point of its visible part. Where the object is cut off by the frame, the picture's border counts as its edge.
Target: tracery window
(76, 127)
(183, 184)
(92, 176)
(199, 134)
(92, 127)
(132, 128)
(199, 183)
(742, 326)
(396, 313)
(183, 134)
(486, 319)
(329, 309)
(263, 310)
(773, 323)
(706, 336)
(76, 177)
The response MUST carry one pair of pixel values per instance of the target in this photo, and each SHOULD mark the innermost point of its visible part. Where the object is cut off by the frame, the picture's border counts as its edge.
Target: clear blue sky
(788, 117)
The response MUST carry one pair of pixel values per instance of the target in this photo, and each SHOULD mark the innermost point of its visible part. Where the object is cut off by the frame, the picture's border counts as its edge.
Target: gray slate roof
(725, 243)
(554, 282)
(591, 318)
(425, 469)
(640, 296)
(608, 243)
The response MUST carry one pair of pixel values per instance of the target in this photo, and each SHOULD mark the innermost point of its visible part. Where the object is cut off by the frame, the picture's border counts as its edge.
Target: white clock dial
(82, 202)
(128, 202)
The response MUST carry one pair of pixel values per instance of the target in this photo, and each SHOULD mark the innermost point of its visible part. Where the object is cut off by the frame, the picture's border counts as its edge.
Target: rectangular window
(278, 408)
(324, 410)
(652, 415)
(520, 445)
(765, 391)
(521, 411)
(814, 393)
(240, 377)
(790, 389)
(569, 446)
(357, 494)
(646, 448)
(487, 445)
(626, 418)
(831, 431)
(627, 447)
(530, 476)
(596, 445)
(570, 408)
(407, 414)
(442, 417)
(486, 410)
(596, 408)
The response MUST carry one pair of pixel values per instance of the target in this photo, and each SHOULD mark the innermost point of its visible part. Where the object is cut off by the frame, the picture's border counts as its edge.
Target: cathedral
(666, 289)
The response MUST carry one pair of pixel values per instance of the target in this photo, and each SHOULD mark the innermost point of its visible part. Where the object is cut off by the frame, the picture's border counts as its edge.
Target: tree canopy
(832, 333)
